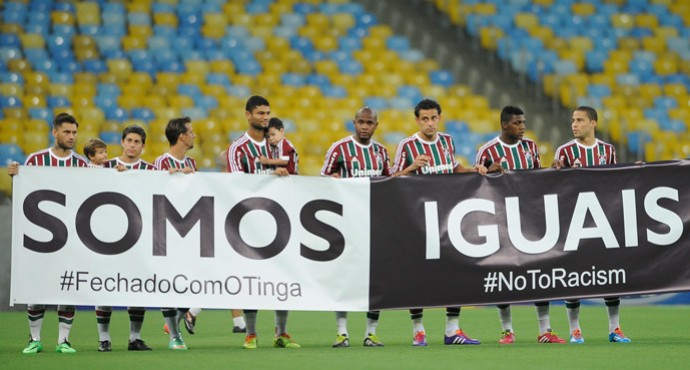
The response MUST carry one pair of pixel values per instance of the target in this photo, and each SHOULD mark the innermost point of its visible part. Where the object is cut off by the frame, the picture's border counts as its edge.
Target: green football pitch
(660, 334)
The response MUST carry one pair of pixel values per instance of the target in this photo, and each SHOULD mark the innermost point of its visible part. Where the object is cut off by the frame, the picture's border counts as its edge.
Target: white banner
(87, 236)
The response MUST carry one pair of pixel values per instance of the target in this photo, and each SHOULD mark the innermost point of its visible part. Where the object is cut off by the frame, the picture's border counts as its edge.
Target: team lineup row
(263, 149)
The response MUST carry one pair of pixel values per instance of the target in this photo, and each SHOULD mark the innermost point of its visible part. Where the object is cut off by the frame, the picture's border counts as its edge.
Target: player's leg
(250, 341)
(103, 315)
(370, 337)
(546, 335)
(170, 317)
(190, 319)
(238, 324)
(35, 313)
(283, 339)
(418, 332)
(180, 316)
(136, 321)
(506, 317)
(572, 307)
(65, 319)
(613, 308)
(341, 338)
(455, 335)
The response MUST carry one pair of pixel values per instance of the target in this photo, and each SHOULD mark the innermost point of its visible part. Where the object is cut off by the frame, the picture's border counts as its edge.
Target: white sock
(371, 326)
(195, 311)
(418, 325)
(65, 318)
(506, 318)
(341, 322)
(452, 325)
(239, 322)
(136, 322)
(36, 314)
(103, 314)
(573, 318)
(614, 317)
(543, 319)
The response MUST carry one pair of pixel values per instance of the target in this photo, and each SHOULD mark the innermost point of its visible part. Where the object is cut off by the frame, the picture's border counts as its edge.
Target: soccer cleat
(507, 337)
(189, 322)
(166, 329)
(419, 339)
(65, 347)
(284, 341)
(459, 337)
(34, 347)
(177, 344)
(105, 346)
(549, 337)
(341, 341)
(372, 341)
(576, 337)
(617, 336)
(138, 345)
(237, 329)
(250, 342)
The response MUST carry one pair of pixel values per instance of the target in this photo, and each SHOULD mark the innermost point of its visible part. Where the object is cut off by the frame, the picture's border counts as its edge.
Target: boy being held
(97, 152)
(283, 153)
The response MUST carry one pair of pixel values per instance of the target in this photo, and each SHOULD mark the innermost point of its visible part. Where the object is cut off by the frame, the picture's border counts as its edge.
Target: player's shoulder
(81, 160)
(566, 145)
(493, 142)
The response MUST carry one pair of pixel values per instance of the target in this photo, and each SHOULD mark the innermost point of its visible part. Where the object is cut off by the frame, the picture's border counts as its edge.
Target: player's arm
(476, 168)
(419, 162)
(273, 162)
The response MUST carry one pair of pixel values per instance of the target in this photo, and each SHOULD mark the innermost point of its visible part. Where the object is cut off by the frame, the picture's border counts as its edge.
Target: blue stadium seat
(111, 137)
(142, 114)
(10, 153)
(55, 101)
(115, 113)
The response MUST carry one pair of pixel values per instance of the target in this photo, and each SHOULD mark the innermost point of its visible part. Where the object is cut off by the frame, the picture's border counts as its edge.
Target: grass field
(660, 337)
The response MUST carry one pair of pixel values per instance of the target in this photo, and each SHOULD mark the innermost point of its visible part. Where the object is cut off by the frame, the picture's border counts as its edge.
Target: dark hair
(509, 111)
(276, 123)
(591, 112)
(64, 118)
(92, 145)
(254, 102)
(134, 129)
(425, 105)
(175, 128)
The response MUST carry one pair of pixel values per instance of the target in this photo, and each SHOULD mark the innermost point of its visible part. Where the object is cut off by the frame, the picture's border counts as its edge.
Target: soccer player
(512, 151)
(432, 152)
(96, 152)
(133, 142)
(358, 156)
(587, 151)
(239, 326)
(59, 155)
(180, 135)
(283, 152)
(244, 156)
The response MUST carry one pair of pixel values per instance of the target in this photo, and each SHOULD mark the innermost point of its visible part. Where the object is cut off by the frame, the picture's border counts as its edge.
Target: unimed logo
(164, 212)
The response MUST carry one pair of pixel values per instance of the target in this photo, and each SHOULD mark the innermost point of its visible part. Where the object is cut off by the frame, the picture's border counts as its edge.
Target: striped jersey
(574, 154)
(244, 156)
(286, 151)
(441, 151)
(46, 157)
(138, 165)
(349, 158)
(523, 155)
(167, 161)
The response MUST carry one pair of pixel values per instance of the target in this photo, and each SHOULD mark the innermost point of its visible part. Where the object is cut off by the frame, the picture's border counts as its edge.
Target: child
(283, 153)
(97, 152)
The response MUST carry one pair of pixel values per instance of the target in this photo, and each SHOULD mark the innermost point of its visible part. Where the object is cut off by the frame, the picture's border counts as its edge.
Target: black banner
(525, 236)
